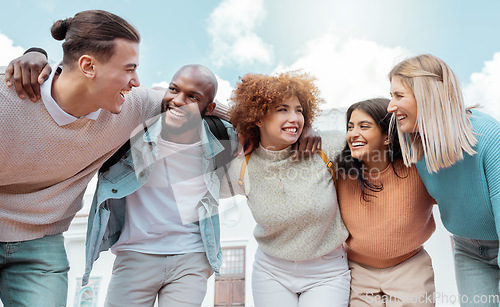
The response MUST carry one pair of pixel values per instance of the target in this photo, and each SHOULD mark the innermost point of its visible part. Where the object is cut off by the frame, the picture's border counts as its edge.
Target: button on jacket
(107, 214)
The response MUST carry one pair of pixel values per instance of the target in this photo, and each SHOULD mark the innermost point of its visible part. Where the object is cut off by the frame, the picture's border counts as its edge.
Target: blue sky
(349, 46)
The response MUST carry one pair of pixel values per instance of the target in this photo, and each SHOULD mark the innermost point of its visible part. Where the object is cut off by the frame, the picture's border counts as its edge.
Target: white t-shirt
(161, 216)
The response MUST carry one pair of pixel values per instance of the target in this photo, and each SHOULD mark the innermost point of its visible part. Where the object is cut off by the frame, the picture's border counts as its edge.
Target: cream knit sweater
(45, 168)
(294, 203)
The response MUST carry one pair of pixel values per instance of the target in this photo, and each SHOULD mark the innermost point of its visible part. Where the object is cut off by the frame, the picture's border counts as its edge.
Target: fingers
(30, 84)
(26, 73)
(303, 149)
(245, 146)
(8, 74)
(315, 144)
(250, 146)
(17, 79)
(295, 150)
(308, 143)
(307, 146)
(241, 145)
(44, 74)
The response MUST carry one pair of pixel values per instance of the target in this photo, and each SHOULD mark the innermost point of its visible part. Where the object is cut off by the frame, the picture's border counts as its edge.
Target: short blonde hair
(444, 127)
(257, 94)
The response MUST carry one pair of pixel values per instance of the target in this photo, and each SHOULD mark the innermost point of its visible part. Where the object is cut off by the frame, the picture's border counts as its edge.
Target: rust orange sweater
(392, 227)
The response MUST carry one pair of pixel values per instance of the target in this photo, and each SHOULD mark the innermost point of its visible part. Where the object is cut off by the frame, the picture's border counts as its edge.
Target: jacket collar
(211, 146)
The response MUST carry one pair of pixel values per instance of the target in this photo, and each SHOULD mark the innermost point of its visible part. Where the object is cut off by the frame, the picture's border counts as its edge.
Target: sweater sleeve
(221, 111)
(491, 163)
(488, 134)
(333, 142)
(150, 102)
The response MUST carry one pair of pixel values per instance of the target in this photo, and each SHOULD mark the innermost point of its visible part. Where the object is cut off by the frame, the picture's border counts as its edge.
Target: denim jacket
(107, 214)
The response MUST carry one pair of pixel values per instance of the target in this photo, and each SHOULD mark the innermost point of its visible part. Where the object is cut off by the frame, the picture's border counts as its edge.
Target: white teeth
(356, 144)
(124, 92)
(401, 117)
(177, 113)
(292, 130)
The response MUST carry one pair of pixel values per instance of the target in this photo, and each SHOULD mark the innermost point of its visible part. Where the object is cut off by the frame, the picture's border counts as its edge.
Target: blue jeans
(477, 271)
(34, 273)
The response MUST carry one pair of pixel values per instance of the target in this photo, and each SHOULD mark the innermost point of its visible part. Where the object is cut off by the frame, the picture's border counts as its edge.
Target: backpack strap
(216, 126)
(122, 151)
(321, 153)
(329, 165)
(219, 130)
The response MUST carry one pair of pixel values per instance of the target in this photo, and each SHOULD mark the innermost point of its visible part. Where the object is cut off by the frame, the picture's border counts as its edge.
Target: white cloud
(8, 51)
(160, 85)
(232, 29)
(348, 70)
(483, 88)
(224, 90)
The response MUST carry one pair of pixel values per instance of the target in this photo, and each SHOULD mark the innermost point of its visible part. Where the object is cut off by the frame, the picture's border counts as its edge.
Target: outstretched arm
(308, 143)
(27, 72)
(221, 111)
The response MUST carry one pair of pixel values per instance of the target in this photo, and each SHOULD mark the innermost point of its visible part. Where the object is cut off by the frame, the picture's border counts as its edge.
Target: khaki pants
(410, 283)
(177, 280)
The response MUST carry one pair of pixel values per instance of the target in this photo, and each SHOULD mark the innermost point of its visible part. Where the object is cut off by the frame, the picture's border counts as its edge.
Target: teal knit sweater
(468, 193)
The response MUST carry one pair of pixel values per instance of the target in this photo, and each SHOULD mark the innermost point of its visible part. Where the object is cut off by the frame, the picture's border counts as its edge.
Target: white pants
(319, 282)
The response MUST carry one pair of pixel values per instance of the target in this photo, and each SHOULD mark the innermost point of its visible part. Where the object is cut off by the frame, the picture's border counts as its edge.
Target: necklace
(280, 185)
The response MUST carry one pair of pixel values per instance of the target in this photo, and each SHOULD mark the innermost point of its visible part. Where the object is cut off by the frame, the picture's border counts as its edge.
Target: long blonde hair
(444, 127)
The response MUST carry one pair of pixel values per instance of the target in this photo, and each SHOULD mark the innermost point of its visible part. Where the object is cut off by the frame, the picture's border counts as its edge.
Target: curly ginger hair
(256, 95)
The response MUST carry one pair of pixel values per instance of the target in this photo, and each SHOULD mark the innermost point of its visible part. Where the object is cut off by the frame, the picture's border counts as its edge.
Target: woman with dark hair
(387, 211)
(300, 260)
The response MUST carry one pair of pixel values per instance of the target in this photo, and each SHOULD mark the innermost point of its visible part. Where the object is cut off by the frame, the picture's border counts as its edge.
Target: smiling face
(404, 105)
(282, 126)
(189, 95)
(366, 140)
(116, 77)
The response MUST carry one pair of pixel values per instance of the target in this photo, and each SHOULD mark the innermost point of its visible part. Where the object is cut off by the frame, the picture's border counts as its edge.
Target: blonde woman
(457, 155)
(300, 260)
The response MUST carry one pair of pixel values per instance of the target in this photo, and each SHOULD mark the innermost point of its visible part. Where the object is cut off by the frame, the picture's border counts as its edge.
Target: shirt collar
(59, 115)
(211, 146)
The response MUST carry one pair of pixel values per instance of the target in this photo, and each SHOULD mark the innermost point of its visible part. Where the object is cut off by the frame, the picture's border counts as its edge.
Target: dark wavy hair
(346, 164)
(92, 32)
(257, 94)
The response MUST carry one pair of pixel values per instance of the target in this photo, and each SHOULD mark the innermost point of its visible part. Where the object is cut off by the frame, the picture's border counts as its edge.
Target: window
(230, 285)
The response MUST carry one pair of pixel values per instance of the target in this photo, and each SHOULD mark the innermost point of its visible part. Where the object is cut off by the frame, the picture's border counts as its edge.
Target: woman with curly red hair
(300, 260)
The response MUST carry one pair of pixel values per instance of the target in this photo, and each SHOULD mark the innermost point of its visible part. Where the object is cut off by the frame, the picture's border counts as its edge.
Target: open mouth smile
(175, 112)
(358, 144)
(291, 130)
(123, 93)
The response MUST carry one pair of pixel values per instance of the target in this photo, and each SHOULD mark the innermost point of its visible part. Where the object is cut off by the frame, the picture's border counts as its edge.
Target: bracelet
(36, 49)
